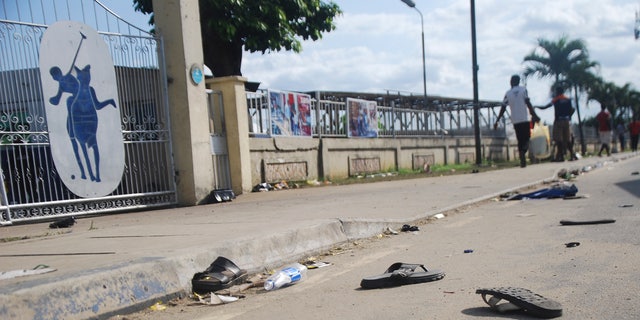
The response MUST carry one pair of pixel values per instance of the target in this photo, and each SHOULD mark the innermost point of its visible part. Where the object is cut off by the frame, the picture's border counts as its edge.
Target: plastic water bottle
(289, 275)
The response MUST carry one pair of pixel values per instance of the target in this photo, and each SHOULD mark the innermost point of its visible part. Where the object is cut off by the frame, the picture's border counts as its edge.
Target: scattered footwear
(221, 274)
(399, 274)
(521, 299)
(572, 244)
(220, 195)
(574, 222)
(63, 223)
(407, 227)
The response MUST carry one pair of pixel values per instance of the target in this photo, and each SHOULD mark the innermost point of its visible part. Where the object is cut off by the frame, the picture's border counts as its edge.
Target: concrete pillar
(178, 22)
(236, 118)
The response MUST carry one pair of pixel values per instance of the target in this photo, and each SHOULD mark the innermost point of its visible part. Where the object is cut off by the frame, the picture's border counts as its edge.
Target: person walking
(604, 130)
(563, 110)
(634, 132)
(520, 106)
(620, 131)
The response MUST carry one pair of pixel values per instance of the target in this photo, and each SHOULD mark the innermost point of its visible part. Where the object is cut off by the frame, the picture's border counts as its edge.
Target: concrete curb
(101, 293)
(92, 293)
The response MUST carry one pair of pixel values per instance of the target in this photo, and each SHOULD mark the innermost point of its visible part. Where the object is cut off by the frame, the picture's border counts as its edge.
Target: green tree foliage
(555, 58)
(622, 101)
(230, 27)
(567, 61)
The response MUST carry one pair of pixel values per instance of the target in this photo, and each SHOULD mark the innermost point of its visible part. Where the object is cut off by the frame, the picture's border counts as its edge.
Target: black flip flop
(399, 274)
(221, 274)
(574, 222)
(63, 223)
(521, 299)
(407, 228)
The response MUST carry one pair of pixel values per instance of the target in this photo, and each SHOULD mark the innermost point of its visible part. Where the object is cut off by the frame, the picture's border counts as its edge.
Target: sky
(376, 47)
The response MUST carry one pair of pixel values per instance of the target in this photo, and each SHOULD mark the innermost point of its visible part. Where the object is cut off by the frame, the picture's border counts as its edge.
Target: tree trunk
(583, 145)
(224, 58)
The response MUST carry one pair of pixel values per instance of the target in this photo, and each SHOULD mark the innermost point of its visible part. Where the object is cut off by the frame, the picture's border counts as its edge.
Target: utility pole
(476, 106)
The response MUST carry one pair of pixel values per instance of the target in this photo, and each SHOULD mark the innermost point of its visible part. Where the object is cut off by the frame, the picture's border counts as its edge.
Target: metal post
(476, 116)
(412, 4)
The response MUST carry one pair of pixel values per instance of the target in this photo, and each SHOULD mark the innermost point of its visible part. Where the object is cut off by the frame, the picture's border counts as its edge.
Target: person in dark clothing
(563, 110)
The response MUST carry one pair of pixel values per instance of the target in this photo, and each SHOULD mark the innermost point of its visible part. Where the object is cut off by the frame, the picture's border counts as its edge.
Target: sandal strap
(403, 270)
(494, 303)
(222, 264)
(405, 267)
(204, 276)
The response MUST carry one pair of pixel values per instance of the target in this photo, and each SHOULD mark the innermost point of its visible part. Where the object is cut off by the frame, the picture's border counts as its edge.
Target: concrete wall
(297, 159)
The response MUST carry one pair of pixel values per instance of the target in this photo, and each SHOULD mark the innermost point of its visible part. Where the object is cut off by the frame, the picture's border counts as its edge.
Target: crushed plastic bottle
(290, 275)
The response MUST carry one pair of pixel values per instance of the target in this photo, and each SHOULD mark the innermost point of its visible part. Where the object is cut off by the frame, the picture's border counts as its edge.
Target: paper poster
(290, 113)
(363, 118)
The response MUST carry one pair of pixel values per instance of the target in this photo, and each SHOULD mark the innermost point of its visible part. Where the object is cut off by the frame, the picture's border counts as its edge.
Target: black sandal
(520, 299)
(221, 274)
(399, 274)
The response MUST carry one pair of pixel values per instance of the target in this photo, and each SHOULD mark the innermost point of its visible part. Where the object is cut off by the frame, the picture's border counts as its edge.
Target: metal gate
(32, 187)
(218, 134)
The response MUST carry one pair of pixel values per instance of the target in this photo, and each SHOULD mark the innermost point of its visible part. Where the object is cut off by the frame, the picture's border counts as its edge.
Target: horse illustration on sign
(80, 120)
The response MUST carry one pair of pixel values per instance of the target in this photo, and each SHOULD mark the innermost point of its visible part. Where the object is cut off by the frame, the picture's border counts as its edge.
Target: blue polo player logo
(82, 124)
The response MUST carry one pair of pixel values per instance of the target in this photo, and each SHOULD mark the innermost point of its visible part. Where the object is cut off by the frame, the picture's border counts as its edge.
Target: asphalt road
(514, 243)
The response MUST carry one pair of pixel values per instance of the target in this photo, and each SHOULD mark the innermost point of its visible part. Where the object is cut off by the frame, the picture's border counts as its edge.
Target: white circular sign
(82, 108)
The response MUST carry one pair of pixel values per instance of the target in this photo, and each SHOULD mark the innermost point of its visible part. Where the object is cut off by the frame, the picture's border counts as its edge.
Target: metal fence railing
(329, 118)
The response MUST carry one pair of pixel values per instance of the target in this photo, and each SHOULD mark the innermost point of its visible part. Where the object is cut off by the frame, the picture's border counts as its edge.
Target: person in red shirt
(634, 132)
(604, 130)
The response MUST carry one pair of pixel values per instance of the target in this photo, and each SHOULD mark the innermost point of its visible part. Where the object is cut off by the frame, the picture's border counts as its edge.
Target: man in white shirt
(520, 106)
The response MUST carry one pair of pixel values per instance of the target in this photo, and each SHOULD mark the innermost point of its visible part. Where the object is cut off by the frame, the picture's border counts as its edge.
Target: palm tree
(634, 103)
(602, 91)
(555, 59)
(621, 100)
(580, 78)
(567, 61)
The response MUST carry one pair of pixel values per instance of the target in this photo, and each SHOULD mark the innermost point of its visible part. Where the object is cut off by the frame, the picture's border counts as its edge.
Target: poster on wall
(304, 114)
(290, 113)
(363, 118)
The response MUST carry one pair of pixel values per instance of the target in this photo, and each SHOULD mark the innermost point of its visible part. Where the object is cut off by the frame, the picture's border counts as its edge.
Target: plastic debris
(158, 306)
(390, 231)
(39, 269)
(281, 185)
(216, 299)
(316, 264)
(313, 182)
(262, 187)
(289, 275)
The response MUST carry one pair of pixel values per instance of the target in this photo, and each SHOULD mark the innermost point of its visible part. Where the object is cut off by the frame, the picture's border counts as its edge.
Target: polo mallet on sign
(77, 51)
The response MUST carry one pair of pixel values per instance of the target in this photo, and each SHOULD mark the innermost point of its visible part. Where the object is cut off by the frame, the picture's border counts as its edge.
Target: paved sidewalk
(106, 264)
